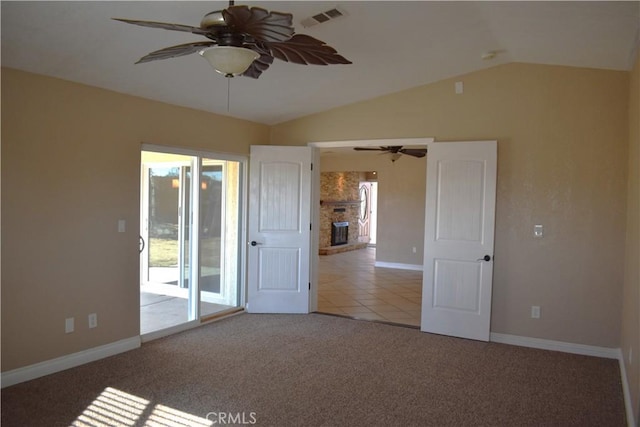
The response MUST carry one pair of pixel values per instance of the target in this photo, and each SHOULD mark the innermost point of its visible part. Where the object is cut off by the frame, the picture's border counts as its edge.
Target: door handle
(141, 245)
(485, 258)
(254, 243)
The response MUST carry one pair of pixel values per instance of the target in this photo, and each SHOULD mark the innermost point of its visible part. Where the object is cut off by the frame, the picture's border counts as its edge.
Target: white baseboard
(399, 266)
(586, 350)
(626, 391)
(565, 347)
(62, 363)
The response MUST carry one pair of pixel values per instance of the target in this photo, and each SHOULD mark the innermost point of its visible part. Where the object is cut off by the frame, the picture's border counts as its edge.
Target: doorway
(368, 215)
(191, 257)
(458, 226)
(382, 279)
(458, 229)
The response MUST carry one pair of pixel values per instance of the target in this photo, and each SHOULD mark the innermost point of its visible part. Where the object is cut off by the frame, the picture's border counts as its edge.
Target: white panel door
(459, 233)
(279, 229)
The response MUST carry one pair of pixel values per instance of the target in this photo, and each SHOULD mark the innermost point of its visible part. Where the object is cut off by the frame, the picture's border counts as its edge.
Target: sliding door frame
(194, 229)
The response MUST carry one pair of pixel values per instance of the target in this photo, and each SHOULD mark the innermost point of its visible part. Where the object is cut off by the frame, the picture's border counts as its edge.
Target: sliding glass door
(191, 261)
(219, 233)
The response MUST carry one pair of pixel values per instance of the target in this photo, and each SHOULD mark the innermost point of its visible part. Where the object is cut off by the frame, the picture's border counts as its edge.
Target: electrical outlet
(93, 320)
(68, 325)
(538, 230)
(535, 311)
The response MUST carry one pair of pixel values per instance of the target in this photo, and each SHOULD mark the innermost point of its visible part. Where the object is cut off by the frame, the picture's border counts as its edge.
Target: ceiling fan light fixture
(229, 60)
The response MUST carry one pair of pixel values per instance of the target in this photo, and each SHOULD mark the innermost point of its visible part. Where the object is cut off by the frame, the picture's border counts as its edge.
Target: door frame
(315, 194)
(366, 186)
(144, 213)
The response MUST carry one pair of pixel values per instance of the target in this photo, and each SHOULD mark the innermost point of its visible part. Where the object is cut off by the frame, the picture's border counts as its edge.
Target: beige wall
(631, 292)
(401, 198)
(562, 159)
(70, 171)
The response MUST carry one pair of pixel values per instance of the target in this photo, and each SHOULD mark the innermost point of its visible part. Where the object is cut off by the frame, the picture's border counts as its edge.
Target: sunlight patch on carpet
(114, 407)
(163, 416)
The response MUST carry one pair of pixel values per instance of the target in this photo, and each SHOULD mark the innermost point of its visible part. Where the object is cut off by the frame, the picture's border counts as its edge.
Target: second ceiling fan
(396, 151)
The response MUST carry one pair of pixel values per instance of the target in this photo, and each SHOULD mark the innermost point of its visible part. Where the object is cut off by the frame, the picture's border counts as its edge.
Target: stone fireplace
(339, 203)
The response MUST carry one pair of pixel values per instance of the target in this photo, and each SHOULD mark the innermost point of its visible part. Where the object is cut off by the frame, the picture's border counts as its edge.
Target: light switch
(68, 325)
(459, 87)
(122, 225)
(538, 230)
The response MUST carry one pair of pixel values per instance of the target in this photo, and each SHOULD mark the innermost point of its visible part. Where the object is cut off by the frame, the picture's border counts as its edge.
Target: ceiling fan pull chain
(228, 93)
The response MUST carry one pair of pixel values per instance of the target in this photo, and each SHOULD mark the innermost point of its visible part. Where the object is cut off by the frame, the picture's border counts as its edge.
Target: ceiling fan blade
(175, 51)
(259, 65)
(369, 149)
(259, 23)
(164, 25)
(304, 49)
(415, 152)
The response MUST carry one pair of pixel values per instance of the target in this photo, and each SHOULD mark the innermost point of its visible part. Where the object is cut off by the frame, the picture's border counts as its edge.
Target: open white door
(279, 229)
(459, 232)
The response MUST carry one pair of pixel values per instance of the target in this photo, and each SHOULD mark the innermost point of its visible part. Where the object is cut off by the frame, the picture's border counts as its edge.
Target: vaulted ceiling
(393, 45)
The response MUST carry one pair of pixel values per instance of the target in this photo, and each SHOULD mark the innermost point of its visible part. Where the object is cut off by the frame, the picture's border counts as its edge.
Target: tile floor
(349, 284)
(160, 311)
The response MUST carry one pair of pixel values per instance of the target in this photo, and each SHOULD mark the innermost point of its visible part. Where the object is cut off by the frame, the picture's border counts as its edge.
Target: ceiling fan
(396, 151)
(244, 40)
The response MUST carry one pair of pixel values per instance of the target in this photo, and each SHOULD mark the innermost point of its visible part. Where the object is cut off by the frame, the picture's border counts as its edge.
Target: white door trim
(372, 143)
(190, 152)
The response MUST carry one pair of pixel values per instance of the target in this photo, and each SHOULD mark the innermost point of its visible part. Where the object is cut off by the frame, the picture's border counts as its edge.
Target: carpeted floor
(318, 370)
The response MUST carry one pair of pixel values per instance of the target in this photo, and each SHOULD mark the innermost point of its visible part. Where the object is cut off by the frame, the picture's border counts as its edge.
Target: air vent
(322, 17)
